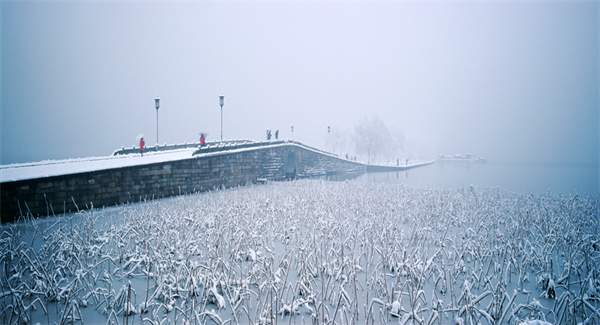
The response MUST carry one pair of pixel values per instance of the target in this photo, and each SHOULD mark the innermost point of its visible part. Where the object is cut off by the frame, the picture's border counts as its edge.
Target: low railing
(212, 146)
(166, 147)
(219, 146)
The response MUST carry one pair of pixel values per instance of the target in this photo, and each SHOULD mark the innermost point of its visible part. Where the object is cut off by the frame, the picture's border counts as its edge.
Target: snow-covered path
(47, 168)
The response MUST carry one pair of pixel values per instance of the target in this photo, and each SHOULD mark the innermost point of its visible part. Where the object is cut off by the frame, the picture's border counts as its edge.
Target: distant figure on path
(142, 143)
(202, 137)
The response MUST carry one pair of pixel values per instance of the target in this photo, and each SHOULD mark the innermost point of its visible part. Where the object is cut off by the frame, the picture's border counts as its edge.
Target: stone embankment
(211, 167)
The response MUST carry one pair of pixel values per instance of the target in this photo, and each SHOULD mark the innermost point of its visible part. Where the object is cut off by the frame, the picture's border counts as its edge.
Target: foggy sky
(513, 81)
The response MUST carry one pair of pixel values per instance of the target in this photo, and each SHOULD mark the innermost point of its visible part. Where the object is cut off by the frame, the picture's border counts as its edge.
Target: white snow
(535, 322)
(300, 244)
(47, 168)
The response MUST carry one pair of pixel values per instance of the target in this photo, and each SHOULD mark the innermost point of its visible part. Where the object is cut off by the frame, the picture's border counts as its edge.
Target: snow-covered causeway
(47, 168)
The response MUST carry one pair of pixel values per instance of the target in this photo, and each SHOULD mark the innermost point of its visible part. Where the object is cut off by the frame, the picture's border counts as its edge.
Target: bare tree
(370, 137)
(338, 141)
(394, 145)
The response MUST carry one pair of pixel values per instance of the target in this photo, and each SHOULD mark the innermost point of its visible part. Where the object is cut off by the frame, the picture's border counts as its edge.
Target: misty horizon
(513, 82)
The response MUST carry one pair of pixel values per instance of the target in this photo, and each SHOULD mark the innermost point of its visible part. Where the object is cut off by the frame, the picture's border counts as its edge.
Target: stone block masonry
(201, 172)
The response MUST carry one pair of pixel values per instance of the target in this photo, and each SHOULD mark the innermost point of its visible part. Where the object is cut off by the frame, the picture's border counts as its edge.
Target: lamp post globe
(329, 137)
(157, 105)
(221, 102)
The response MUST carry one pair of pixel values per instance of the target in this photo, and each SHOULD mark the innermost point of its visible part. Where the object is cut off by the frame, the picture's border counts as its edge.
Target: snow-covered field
(310, 252)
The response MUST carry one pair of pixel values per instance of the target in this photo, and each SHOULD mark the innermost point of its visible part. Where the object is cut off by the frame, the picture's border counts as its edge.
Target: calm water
(518, 177)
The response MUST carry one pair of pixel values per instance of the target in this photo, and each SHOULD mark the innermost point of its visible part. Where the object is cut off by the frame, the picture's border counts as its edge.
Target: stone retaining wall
(58, 194)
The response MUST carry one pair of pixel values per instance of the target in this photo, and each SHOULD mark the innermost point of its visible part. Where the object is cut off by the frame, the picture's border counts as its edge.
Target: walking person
(202, 137)
(142, 143)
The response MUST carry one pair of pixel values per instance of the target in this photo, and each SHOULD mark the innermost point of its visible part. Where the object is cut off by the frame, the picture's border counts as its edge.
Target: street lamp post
(157, 104)
(329, 136)
(221, 102)
(292, 132)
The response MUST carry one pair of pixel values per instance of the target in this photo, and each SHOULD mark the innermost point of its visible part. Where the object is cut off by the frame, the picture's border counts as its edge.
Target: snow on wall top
(47, 168)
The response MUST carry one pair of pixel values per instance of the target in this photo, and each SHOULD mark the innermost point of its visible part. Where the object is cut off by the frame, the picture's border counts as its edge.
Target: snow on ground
(310, 252)
(47, 168)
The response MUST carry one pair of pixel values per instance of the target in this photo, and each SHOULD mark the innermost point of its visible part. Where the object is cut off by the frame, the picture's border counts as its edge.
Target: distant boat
(458, 158)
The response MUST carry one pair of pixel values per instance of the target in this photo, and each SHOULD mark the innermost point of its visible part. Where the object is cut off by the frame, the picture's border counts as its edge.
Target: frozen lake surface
(310, 252)
(567, 179)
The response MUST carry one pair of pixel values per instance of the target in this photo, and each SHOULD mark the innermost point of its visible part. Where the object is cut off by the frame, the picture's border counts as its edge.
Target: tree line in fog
(373, 141)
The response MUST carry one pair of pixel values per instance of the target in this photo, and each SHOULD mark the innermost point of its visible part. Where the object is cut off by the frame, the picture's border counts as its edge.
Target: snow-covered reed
(310, 252)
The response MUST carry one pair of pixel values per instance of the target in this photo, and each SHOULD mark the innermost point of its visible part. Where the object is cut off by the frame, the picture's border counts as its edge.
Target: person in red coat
(142, 143)
(202, 137)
